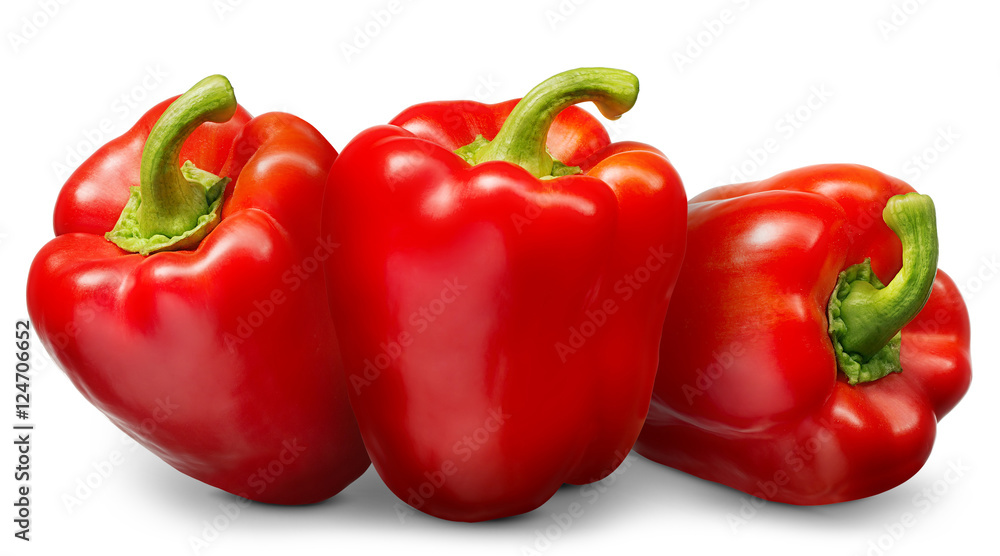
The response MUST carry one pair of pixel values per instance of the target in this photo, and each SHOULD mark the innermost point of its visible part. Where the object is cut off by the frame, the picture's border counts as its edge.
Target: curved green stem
(865, 317)
(522, 138)
(176, 206)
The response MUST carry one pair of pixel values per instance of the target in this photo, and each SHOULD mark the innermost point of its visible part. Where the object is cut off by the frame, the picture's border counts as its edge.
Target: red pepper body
(223, 361)
(499, 330)
(748, 393)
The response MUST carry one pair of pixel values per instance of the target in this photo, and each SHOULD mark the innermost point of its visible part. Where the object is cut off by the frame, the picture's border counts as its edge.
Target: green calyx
(522, 138)
(854, 365)
(176, 206)
(127, 232)
(468, 154)
(865, 317)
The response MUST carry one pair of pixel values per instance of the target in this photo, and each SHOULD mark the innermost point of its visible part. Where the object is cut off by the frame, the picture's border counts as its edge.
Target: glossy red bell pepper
(199, 326)
(773, 382)
(500, 311)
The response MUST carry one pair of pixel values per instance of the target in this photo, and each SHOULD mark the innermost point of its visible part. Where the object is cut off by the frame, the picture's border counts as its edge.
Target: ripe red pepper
(500, 312)
(774, 383)
(199, 326)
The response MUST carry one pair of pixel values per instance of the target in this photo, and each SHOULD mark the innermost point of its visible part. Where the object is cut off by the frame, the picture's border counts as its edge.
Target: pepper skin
(748, 392)
(500, 330)
(220, 359)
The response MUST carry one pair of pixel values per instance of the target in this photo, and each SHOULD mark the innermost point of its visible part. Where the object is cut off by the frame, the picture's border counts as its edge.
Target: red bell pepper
(500, 311)
(774, 382)
(199, 326)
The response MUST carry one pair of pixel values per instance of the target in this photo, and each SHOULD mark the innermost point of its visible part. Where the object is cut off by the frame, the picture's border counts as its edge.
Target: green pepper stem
(171, 205)
(872, 316)
(522, 138)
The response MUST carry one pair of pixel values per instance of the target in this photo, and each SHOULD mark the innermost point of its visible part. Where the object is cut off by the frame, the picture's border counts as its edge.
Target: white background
(887, 80)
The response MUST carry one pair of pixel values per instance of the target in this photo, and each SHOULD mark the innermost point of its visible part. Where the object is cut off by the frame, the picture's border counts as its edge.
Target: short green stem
(176, 206)
(522, 138)
(865, 317)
